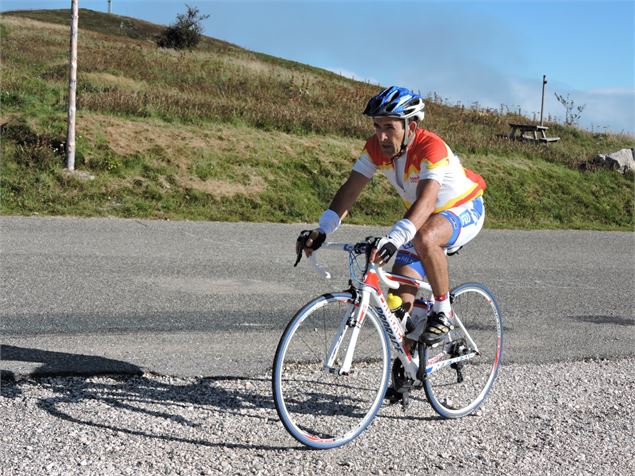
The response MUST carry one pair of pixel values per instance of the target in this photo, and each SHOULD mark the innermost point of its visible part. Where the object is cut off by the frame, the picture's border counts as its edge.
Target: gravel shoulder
(558, 418)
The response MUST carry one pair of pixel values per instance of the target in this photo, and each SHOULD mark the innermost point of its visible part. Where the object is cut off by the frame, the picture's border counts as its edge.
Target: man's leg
(454, 227)
(429, 243)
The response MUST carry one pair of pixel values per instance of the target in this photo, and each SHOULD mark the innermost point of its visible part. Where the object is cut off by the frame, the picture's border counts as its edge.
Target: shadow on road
(618, 320)
(65, 364)
(149, 406)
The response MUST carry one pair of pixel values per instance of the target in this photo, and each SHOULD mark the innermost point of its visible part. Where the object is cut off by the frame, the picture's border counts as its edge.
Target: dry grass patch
(29, 28)
(262, 68)
(121, 82)
(222, 188)
(126, 137)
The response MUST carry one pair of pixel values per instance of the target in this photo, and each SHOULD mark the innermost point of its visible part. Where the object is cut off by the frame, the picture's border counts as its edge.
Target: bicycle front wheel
(461, 371)
(320, 403)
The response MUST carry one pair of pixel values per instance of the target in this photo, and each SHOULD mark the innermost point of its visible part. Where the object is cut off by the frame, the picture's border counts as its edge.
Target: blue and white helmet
(396, 102)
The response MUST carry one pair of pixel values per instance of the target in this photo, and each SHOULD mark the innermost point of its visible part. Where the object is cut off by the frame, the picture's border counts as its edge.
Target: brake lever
(302, 239)
(371, 243)
(298, 258)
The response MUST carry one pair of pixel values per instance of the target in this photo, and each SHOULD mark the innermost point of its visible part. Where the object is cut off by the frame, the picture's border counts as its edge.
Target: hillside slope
(222, 133)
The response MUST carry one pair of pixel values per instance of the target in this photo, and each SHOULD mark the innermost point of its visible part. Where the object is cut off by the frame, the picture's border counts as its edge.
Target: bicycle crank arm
(339, 371)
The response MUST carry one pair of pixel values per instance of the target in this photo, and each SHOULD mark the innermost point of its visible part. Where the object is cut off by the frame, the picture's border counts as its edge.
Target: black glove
(318, 237)
(386, 249)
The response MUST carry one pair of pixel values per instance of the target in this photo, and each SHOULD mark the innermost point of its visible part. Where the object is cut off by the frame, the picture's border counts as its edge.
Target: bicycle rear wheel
(458, 389)
(318, 405)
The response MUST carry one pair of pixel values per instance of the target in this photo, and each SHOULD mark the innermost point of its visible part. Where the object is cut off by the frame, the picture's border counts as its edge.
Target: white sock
(442, 304)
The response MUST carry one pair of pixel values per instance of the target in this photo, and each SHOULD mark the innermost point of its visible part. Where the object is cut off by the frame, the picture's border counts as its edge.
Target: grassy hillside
(222, 133)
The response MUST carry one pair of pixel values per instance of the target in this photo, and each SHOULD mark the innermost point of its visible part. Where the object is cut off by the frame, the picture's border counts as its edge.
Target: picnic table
(530, 132)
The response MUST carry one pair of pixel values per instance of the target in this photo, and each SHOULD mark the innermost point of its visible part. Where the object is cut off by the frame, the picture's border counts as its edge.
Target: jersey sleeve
(365, 166)
(435, 161)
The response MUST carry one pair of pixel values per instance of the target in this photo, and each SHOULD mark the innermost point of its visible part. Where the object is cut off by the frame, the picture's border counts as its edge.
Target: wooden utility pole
(542, 103)
(72, 88)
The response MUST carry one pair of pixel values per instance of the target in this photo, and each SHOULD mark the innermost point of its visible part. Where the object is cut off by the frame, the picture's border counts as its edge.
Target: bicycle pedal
(405, 401)
(392, 396)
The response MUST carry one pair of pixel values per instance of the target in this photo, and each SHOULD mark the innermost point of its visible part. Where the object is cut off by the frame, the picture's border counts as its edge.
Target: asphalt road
(84, 296)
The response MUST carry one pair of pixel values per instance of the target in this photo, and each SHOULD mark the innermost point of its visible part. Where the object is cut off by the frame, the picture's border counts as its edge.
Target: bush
(34, 150)
(186, 33)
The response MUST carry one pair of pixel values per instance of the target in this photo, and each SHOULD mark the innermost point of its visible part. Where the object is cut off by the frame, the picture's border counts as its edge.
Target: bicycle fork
(353, 321)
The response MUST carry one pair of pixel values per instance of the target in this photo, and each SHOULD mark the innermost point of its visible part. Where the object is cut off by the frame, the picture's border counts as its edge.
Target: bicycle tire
(321, 408)
(452, 392)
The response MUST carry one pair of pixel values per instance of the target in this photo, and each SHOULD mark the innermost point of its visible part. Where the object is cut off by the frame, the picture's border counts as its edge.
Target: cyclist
(443, 199)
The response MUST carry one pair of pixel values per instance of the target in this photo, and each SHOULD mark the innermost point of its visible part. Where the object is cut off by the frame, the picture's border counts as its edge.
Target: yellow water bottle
(396, 305)
(398, 308)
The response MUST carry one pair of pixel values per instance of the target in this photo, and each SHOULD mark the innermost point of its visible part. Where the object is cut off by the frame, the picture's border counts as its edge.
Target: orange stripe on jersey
(373, 149)
(476, 178)
(430, 149)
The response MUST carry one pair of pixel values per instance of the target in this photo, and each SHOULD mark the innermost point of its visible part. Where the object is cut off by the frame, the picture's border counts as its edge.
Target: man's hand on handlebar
(383, 250)
(308, 241)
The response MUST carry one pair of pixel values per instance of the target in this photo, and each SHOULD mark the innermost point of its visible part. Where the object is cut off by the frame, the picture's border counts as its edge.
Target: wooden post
(72, 88)
(542, 103)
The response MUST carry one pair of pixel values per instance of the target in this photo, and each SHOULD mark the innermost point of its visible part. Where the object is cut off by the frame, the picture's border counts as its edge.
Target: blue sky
(493, 52)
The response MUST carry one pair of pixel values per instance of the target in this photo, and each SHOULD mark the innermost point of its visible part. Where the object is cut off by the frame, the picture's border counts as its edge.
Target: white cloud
(611, 109)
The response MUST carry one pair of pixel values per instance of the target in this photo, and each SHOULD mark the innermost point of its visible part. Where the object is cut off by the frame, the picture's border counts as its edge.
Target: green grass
(525, 193)
(222, 133)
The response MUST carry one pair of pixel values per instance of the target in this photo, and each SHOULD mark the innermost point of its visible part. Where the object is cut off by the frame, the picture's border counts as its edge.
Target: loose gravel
(563, 418)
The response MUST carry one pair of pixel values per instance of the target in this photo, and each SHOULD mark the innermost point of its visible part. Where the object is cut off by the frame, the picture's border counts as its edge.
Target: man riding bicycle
(443, 199)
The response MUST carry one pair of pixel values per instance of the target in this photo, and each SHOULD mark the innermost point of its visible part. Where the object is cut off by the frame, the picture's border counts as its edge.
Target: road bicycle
(333, 363)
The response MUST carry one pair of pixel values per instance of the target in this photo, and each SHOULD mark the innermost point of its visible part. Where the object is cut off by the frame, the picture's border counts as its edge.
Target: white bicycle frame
(369, 292)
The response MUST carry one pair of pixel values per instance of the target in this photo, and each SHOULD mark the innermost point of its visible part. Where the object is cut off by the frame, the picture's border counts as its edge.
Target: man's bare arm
(348, 193)
(343, 201)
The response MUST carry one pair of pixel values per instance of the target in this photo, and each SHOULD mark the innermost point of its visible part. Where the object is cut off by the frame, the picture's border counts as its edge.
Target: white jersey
(427, 158)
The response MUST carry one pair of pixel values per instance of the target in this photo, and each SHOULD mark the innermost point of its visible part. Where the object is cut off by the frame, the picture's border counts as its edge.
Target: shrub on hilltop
(185, 33)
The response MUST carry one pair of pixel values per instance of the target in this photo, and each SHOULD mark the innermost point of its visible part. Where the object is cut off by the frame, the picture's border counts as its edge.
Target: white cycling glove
(401, 233)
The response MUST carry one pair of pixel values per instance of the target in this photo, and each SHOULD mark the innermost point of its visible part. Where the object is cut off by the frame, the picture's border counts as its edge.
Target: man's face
(390, 132)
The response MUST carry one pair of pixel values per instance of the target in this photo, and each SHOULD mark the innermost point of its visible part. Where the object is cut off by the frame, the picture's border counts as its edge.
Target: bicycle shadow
(153, 401)
(64, 364)
(603, 320)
